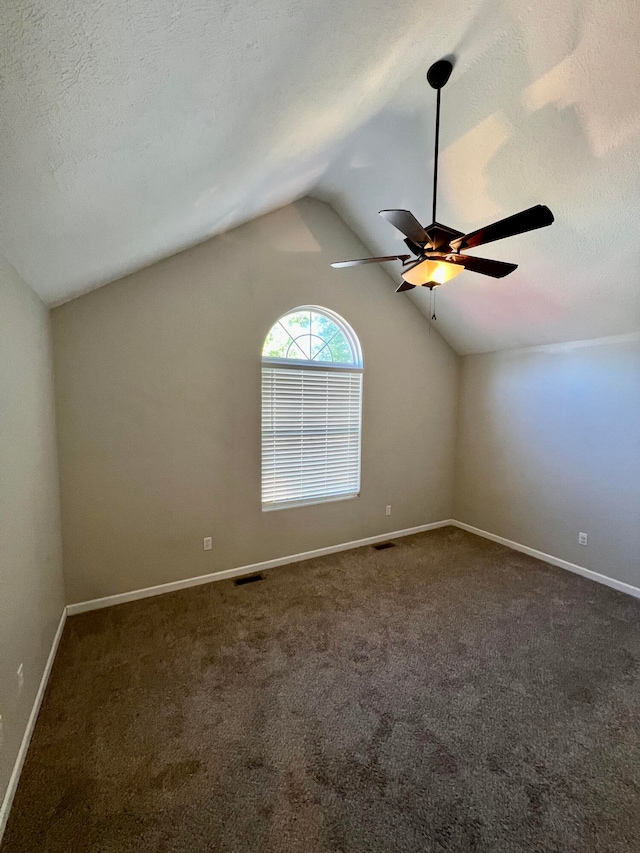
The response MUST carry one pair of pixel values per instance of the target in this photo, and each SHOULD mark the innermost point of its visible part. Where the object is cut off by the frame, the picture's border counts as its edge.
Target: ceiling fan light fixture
(438, 248)
(438, 272)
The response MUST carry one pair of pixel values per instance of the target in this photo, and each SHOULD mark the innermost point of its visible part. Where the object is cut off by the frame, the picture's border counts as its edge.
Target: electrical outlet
(582, 538)
(207, 543)
(20, 675)
(388, 509)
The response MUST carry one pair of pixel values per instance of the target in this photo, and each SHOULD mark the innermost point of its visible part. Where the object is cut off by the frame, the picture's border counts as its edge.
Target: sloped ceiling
(132, 130)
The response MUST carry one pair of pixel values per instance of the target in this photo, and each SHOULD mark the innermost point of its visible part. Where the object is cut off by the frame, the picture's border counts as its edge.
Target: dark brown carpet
(443, 695)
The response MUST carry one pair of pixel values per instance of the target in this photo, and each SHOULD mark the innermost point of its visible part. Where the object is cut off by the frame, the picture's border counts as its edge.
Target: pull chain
(433, 305)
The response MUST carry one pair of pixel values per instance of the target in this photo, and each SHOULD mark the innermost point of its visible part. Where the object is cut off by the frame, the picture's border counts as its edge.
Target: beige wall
(31, 588)
(158, 396)
(549, 445)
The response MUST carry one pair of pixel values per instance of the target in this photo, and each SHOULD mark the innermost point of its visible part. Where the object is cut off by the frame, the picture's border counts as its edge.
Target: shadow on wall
(529, 117)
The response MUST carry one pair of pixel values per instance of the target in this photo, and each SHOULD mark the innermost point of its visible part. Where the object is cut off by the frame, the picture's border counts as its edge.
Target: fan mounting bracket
(439, 73)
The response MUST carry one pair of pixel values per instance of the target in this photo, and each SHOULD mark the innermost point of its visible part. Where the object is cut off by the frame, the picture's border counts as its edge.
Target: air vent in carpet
(249, 579)
(383, 545)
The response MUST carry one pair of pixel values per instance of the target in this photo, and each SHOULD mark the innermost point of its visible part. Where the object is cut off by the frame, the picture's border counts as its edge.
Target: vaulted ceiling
(132, 130)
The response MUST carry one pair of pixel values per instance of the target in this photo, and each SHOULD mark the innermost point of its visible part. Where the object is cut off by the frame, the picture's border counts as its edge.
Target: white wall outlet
(387, 510)
(582, 538)
(20, 675)
(207, 543)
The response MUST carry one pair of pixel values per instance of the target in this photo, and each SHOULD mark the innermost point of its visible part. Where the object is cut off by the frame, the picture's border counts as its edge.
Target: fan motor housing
(440, 236)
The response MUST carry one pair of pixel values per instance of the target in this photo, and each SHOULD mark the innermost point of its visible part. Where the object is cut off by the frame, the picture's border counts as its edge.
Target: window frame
(341, 323)
(356, 367)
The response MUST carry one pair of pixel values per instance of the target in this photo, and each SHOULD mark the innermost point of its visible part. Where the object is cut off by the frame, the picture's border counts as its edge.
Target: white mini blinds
(311, 410)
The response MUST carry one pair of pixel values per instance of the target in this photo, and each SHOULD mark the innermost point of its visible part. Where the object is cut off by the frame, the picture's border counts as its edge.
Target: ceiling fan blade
(404, 286)
(527, 220)
(496, 269)
(341, 264)
(406, 222)
(416, 248)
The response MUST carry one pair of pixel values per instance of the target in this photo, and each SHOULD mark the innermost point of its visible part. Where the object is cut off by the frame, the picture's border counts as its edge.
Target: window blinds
(311, 421)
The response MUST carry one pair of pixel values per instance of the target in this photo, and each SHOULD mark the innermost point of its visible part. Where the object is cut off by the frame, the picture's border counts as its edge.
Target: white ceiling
(132, 130)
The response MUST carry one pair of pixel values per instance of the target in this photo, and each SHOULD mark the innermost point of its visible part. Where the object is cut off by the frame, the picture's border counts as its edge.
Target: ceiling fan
(437, 248)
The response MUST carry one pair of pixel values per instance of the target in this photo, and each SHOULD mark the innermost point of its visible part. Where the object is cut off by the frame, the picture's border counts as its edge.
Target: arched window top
(312, 335)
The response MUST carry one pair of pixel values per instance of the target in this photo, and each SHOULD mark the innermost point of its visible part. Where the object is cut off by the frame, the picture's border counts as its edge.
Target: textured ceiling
(130, 131)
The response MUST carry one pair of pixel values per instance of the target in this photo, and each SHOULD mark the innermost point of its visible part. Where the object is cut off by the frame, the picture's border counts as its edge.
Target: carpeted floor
(447, 694)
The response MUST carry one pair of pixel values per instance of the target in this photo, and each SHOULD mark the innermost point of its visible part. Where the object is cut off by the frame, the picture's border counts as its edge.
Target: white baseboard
(555, 561)
(172, 586)
(24, 746)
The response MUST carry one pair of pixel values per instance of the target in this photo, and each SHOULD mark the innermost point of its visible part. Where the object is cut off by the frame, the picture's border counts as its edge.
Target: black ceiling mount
(437, 248)
(439, 73)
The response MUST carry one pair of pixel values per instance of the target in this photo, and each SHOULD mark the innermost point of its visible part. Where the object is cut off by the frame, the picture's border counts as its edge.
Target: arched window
(311, 409)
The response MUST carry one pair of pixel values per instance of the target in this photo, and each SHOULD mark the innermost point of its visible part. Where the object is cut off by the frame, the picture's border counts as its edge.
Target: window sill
(312, 502)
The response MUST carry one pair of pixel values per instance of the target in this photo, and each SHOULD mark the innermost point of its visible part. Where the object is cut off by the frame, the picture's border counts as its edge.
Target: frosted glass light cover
(437, 272)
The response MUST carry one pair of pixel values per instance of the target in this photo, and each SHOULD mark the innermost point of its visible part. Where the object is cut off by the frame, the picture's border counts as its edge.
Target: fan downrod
(439, 73)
